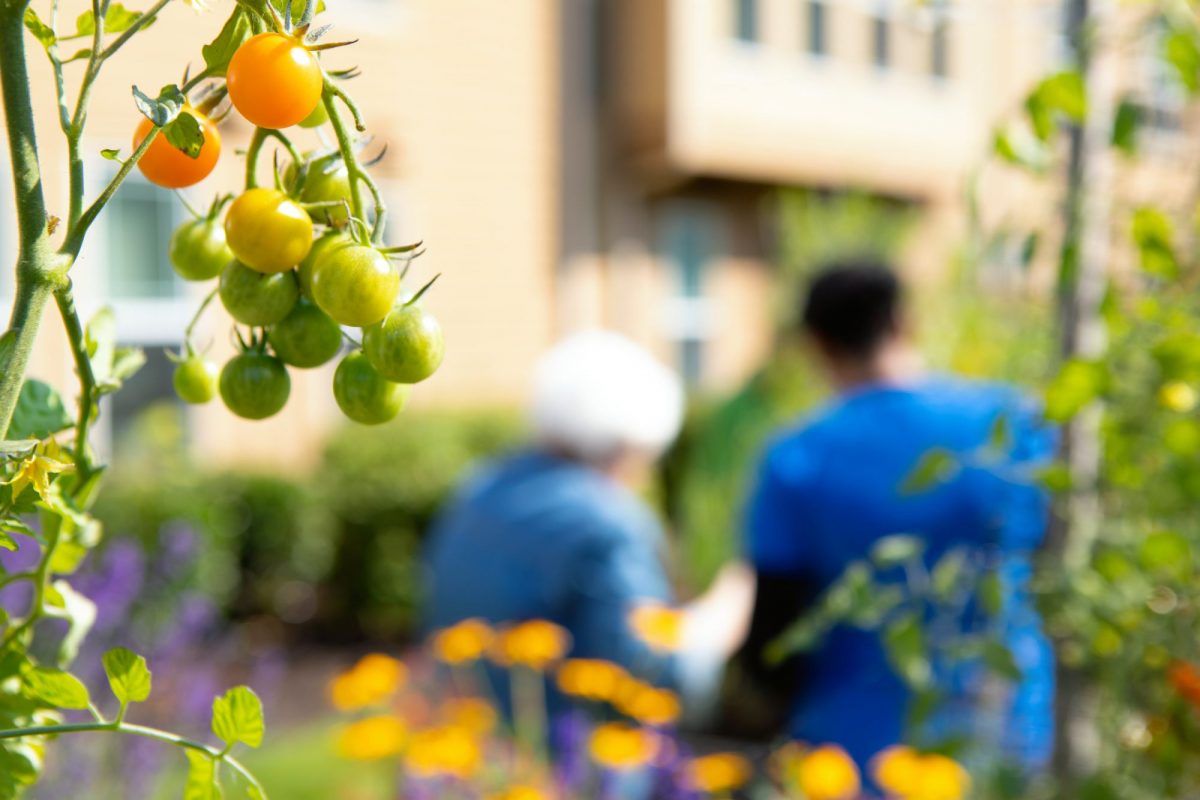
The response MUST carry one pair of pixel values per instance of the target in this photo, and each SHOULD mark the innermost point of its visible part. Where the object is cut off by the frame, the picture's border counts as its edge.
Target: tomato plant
(198, 250)
(255, 385)
(253, 298)
(195, 379)
(363, 394)
(406, 345)
(170, 166)
(274, 82)
(268, 231)
(354, 283)
(306, 337)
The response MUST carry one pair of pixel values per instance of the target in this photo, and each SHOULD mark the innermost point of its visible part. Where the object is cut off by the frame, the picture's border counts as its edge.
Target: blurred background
(669, 169)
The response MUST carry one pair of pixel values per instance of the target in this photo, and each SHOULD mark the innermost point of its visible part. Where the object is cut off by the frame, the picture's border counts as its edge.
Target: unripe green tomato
(326, 242)
(317, 118)
(327, 180)
(255, 385)
(195, 380)
(407, 345)
(306, 338)
(355, 284)
(198, 251)
(253, 298)
(363, 394)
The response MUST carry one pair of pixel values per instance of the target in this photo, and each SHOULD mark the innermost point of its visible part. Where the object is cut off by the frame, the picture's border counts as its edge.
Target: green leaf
(80, 614)
(238, 717)
(17, 450)
(40, 30)
(163, 109)
(128, 675)
(1077, 384)
(111, 153)
(1026, 151)
(948, 574)
(220, 50)
(904, 641)
(56, 687)
(40, 412)
(1126, 123)
(1066, 94)
(7, 542)
(111, 365)
(1055, 478)
(999, 659)
(184, 133)
(1166, 553)
(1153, 234)
(117, 19)
(201, 778)
(1182, 52)
(892, 551)
(935, 467)
(803, 635)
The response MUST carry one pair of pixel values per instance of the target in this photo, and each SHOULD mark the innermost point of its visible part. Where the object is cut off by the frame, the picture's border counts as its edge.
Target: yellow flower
(896, 770)
(908, 775)
(470, 713)
(658, 626)
(520, 793)
(718, 773)
(534, 644)
(619, 746)
(47, 459)
(591, 679)
(372, 680)
(827, 773)
(372, 738)
(1178, 396)
(445, 750)
(466, 641)
(648, 705)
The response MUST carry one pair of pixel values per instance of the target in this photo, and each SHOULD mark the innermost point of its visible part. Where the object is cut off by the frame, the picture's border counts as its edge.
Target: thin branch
(191, 328)
(77, 339)
(141, 22)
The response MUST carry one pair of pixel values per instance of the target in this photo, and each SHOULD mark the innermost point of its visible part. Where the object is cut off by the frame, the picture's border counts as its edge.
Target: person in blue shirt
(828, 490)
(556, 531)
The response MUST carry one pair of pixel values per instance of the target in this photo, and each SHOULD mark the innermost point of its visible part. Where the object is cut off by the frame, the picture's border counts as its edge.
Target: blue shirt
(537, 537)
(827, 492)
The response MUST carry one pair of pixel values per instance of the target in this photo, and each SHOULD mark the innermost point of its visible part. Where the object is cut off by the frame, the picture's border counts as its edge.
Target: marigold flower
(647, 704)
(1185, 679)
(591, 679)
(520, 793)
(470, 713)
(619, 746)
(372, 738)
(372, 680)
(659, 627)
(466, 641)
(535, 644)
(906, 774)
(447, 750)
(718, 773)
(827, 773)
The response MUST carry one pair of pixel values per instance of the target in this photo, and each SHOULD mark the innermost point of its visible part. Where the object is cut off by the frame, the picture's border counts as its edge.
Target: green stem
(191, 328)
(141, 22)
(345, 146)
(357, 173)
(77, 339)
(41, 582)
(252, 152)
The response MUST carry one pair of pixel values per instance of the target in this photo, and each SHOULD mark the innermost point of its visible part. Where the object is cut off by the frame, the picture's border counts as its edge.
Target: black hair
(852, 306)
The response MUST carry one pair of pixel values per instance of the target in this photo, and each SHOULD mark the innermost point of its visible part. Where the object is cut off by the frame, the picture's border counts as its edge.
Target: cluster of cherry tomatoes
(292, 263)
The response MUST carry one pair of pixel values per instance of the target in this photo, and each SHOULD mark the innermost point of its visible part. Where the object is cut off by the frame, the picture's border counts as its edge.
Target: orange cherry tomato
(273, 81)
(166, 165)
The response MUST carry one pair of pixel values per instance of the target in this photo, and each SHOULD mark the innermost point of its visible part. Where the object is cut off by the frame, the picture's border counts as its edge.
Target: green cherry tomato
(355, 284)
(405, 346)
(255, 385)
(317, 118)
(198, 251)
(363, 394)
(267, 231)
(195, 380)
(253, 298)
(306, 338)
(325, 181)
(326, 242)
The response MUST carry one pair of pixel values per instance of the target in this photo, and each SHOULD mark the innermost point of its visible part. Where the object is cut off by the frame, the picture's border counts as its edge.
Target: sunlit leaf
(220, 50)
(935, 467)
(1182, 51)
(201, 777)
(185, 134)
(80, 613)
(238, 717)
(117, 19)
(128, 675)
(56, 687)
(40, 30)
(163, 109)
(40, 412)
(1077, 385)
(111, 154)
(1166, 553)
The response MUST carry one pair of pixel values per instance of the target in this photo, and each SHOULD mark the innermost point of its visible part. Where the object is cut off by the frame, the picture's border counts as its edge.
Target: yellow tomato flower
(718, 773)
(827, 773)
(591, 679)
(466, 641)
(520, 793)
(535, 644)
(372, 680)
(47, 459)
(658, 626)
(372, 738)
(447, 750)
(1178, 396)
(470, 713)
(648, 705)
(619, 746)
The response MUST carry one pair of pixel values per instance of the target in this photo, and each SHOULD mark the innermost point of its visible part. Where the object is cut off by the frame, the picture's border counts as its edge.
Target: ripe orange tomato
(273, 81)
(166, 165)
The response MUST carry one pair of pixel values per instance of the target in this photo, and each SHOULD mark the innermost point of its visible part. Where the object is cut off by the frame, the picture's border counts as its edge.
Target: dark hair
(852, 306)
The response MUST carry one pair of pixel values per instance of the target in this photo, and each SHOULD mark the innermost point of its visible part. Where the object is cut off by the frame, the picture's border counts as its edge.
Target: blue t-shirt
(538, 537)
(828, 491)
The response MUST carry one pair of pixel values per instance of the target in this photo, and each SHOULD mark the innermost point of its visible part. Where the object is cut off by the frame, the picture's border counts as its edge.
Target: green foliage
(128, 675)
(40, 412)
(237, 716)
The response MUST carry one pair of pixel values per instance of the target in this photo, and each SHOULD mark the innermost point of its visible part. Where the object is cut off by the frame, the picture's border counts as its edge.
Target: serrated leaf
(163, 109)
(56, 687)
(201, 778)
(238, 717)
(128, 675)
(111, 153)
(184, 133)
(40, 30)
(117, 19)
(935, 467)
(220, 50)
(40, 412)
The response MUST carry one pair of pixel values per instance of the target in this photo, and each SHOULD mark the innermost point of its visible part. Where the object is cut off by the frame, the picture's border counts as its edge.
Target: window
(881, 41)
(745, 22)
(138, 265)
(818, 14)
(149, 390)
(688, 244)
(939, 49)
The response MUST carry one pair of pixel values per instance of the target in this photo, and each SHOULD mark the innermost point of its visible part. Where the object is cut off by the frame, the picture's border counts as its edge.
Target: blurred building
(572, 163)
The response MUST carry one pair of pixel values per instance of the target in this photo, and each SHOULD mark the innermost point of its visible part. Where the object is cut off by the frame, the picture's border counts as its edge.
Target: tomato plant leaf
(904, 641)
(220, 50)
(201, 778)
(56, 687)
(238, 717)
(1181, 50)
(40, 30)
(935, 467)
(111, 153)
(1077, 384)
(1126, 124)
(79, 55)
(1153, 234)
(185, 133)
(80, 613)
(16, 449)
(117, 19)
(160, 110)
(7, 542)
(40, 412)
(128, 675)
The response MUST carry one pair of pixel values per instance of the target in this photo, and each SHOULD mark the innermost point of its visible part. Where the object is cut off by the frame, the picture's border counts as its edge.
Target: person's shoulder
(981, 396)
(791, 454)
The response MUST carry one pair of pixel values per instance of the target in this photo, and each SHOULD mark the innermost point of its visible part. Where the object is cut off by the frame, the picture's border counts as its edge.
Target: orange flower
(371, 681)
(591, 679)
(520, 793)
(535, 644)
(658, 626)
(466, 641)
(445, 750)
(897, 770)
(619, 746)
(470, 713)
(372, 738)
(718, 773)
(823, 773)
(648, 705)
(1185, 678)
(908, 775)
